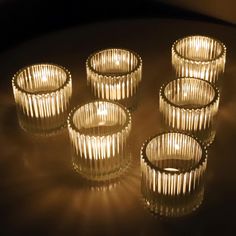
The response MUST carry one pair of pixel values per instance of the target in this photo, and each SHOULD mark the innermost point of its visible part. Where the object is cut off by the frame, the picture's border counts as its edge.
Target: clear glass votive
(173, 163)
(99, 134)
(190, 105)
(42, 94)
(115, 74)
(199, 56)
(173, 167)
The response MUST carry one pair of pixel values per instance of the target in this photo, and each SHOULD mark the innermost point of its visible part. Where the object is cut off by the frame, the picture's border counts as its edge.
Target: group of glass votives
(173, 163)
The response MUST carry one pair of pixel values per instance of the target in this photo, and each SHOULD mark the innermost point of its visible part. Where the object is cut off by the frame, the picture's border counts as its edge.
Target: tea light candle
(114, 74)
(42, 94)
(172, 164)
(199, 56)
(190, 105)
(98, 133)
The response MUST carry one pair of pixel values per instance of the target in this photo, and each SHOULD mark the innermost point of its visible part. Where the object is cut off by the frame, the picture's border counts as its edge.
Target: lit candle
(114, 74)
(98, 133)
(173, 168)
(42, 94)
(190, 105)
(199, 56)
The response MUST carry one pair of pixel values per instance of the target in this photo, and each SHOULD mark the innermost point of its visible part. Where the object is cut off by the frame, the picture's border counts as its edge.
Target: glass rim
(48, 93)
(214, 99)
(221, 54)
(126, 125)
(118, 74)
(154, 167)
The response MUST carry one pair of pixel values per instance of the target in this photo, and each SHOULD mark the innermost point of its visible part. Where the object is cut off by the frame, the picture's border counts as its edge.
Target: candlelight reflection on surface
(42, 94)
(199, 56)
(115, 74)
(190, 105)
(99, 134)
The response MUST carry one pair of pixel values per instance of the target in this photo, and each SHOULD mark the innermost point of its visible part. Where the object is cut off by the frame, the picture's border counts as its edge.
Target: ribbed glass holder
(199, 56)
(115, 74)
(190, 105)
(99, 134)
(42, 94)
(173, 164)
(172, 206)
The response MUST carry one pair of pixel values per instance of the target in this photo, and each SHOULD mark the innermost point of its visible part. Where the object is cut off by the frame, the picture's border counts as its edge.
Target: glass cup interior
(100, 118)
(199, 48)
(174, 152)
(114, 61)
(41, 78)
(189, 93)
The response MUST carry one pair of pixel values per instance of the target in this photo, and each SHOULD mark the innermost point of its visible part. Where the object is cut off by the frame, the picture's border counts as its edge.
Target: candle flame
(177, 146)
(171, 169)
(44, 78)
(102, 112)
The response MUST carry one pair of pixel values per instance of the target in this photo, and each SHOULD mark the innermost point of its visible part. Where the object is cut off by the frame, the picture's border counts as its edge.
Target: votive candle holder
(42, 94)
(190, 105)
(173, 163)
(99, 133)
(173, 167)
(115, 74)
(199, 56)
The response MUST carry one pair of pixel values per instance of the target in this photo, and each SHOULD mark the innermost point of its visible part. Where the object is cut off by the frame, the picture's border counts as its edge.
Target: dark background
(25, 19)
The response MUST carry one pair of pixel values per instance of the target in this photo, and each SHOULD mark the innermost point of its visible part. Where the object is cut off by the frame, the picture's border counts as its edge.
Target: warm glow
(172, 165)
(102, 130)
(200, 57)
(102, 111)
(44, 96)
(177, 146)
(189, 104)
(44, 78)
(197, 46)
(114, 74)
(171, 169)
(117, 63)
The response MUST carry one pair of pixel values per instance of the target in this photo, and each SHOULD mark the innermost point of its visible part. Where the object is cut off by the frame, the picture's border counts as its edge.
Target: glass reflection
(49, 126)
(105, 186)
(207, 136)
(172, 206)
